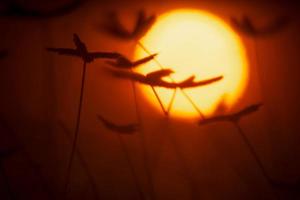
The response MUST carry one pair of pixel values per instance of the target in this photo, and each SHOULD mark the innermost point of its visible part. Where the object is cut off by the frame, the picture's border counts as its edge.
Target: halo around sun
(194, 42)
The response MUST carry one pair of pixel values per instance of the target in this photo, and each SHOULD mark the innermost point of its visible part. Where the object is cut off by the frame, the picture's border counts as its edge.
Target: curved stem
(143, 144)
(75, 140)
(252, 151)
(131, 167)
(183, 92)
(84, 164)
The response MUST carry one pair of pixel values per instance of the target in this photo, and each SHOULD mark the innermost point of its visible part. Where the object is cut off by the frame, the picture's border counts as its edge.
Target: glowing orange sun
(193, 42)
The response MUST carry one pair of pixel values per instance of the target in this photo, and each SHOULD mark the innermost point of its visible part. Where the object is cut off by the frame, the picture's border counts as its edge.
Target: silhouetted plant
(246, 26)
(127, 129)
(81, 158)
(82, 52)
(124, 63)
(154, 79)
(123, 129)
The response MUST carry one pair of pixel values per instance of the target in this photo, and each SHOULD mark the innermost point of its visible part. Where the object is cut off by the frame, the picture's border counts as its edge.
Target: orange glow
(193, 42)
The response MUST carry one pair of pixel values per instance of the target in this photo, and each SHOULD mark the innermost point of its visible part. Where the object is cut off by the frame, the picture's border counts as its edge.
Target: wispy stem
(159, 101)
(131, 167)
(183, 92)
(143, 144)
(84, 164)
(76, 134)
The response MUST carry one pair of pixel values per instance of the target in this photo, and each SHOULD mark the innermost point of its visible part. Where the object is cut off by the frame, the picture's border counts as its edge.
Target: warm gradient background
(39, 99)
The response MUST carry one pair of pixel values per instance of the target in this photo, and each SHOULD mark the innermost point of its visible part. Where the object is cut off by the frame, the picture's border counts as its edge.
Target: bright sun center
(193, 42)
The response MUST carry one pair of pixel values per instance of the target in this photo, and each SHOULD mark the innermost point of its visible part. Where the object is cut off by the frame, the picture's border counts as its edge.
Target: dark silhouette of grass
(82, 160)
(245, 25)
(115, 28)
(15, 9)
(142, 24)
(87, 57)
(235, 119)
(120, 32)
(125, 129)
(174, 93)
(154, 79)
(124, 63)
(151, 193)
(82, 52)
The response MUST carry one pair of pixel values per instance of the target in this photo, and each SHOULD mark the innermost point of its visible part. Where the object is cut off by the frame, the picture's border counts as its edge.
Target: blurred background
(171, 158)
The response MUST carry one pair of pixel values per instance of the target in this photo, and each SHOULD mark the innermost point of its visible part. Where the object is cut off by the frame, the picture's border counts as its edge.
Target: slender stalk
(6, 182)
(255, 156)
(75, 140)
(84, 165)
(131, 167)
(183, 92)
(193, 104)
(143, 144)
(180, 158)
(172, 101)
(159, 101)
(184, 168)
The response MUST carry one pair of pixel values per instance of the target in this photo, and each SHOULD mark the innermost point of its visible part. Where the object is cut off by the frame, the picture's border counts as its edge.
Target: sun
(195, 42)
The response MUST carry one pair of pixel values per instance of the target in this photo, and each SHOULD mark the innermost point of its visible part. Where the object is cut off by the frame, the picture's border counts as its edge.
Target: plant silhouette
(234, 118)
(123, 129)
(142, 25)
(155, 79)
(87, 57)
(127, 129)
(81, 158)
(246, 26)
(124, 63)
(82, 52)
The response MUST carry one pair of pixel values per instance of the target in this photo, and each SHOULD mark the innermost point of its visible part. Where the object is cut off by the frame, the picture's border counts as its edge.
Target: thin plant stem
(254, 155)
(172, 101)
(193, 104)
(183, 92)
(131, 167)
(159, 101)
(76, 134)
(143, 144)
(184, 168)
(180, 158)
(84, 165)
